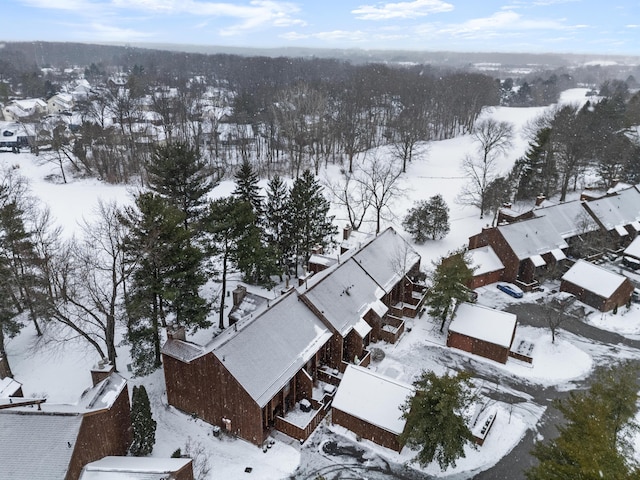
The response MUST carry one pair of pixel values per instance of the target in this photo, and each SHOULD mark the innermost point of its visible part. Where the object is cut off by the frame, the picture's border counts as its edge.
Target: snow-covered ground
(61, 372)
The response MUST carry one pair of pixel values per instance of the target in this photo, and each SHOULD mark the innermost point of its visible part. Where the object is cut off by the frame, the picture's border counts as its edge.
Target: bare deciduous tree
(378, 179)
(492, 139)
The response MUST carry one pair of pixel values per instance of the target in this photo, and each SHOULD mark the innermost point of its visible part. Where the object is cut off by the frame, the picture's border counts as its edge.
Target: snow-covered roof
(484, 323)
(633, 250)
(617, 210)
(535, 236)
(387, 258)
(569, 218)
(593, 278)
(133, 468)
(273, 347)
(181, 350)
(36, 445)
(484, 260)
(8, 387)
(344, 296)
(372, 397)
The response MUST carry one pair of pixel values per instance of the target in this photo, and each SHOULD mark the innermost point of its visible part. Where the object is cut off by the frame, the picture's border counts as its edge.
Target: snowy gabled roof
(484, 323)
(535, 236)
(344, 296)
(633, 249)
(387, 258)
(618, 210)
(267, 352)
(484, 260)
(8, 387)
(372, 397)
(593, 278)
(182, 350)
(569, 218)
(133, 468)
(36, 445)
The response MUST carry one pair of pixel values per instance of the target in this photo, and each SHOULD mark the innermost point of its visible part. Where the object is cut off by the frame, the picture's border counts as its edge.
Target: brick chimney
(346, 232)
(101, 370)
(238, 294)
(176, 332)
(539, 199)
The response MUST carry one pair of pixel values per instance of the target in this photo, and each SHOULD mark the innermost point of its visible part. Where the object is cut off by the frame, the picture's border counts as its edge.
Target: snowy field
(61, 372)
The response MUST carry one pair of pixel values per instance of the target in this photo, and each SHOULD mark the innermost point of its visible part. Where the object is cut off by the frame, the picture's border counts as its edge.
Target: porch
(392, 328)
(413, 302)
(306, 415)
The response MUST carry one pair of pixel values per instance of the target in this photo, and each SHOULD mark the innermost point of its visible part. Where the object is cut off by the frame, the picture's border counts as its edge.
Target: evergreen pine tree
(178, 174)
(142, 423)
(435, 422)
(155, 228)
(597, 439)
(308, 220)
(536, 172)
(225, 222)
(247, 189)
(448, 285)
(428, 219)
(276, 219)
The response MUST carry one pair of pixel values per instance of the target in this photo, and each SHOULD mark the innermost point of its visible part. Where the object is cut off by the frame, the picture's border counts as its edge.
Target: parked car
(510, 289)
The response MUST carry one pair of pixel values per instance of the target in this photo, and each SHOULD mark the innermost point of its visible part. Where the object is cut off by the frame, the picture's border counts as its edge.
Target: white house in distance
(482, 331)
(368, 404)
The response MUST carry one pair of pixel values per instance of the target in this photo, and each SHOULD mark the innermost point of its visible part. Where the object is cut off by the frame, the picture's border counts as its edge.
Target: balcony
(303, 419)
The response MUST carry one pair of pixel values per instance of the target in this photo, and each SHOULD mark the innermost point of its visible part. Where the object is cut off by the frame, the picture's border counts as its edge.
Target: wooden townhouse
(277, 366)
(42, 440)
(524, 248)
(596, 286)
(370, 405)
(482, 331)
(618, 214)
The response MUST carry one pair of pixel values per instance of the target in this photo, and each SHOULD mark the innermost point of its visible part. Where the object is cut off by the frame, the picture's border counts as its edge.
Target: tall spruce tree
(226, 220)
(142, 423)
(276, 219)
(247, 189)
(448, 285)
(177, 172)
(536, 171)
(308, 220)
(596, 440)
(155, 233)
(435, 422)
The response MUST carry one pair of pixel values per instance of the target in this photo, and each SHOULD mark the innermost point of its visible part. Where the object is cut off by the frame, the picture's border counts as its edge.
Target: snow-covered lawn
(61, 371)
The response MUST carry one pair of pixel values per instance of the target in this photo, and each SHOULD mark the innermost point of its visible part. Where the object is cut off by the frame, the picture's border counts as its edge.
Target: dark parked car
(510, 289)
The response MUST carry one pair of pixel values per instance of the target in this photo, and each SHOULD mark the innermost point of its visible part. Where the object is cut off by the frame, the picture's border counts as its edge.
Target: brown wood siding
(493, 237)
(478, 347)
(205, 388)
(103, 433)
(366, 430)
(620, 297)
(486, 279)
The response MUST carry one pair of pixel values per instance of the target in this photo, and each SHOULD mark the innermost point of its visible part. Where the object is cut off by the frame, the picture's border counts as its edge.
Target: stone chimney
(101, 370)
(539, 199)
(238, 294)
(346, 232)
(176, 332)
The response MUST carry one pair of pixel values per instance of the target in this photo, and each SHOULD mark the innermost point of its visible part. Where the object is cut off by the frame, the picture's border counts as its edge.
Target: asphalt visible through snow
(330, 456)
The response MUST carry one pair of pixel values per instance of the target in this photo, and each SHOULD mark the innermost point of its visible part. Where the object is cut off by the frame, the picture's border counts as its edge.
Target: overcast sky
(564, 26)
